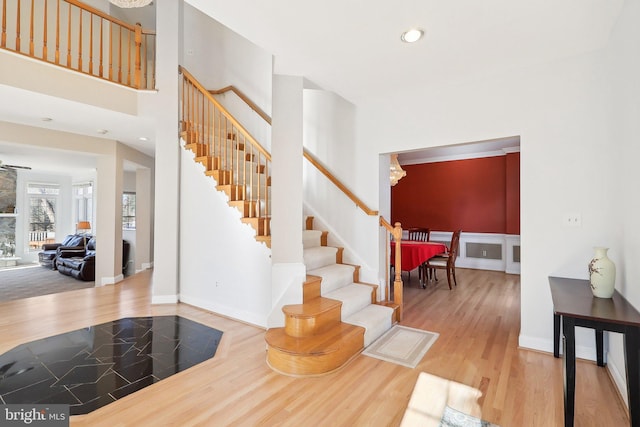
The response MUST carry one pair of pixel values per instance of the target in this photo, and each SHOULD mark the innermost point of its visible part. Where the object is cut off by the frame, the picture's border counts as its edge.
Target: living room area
(48, 221)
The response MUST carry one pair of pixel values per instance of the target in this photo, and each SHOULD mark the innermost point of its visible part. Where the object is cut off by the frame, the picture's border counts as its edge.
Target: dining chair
(445, 261)
(420, 234)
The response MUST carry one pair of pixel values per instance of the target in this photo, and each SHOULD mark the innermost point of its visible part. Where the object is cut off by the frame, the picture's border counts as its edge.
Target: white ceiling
(353, 48)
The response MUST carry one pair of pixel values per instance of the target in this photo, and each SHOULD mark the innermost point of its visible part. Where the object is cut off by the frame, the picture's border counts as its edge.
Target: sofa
(47, 257)
(80, 262)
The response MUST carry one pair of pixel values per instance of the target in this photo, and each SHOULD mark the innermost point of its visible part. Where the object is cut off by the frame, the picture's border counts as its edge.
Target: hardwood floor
(478, 324)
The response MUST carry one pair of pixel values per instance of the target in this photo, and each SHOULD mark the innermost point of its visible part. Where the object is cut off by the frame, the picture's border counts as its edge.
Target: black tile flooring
(94, 366)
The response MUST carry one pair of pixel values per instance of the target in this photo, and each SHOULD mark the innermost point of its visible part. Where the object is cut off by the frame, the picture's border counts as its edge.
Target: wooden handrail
(306, 153)
(398, 290)
(219, 106)
(337, 183)
(245, 98)
(76, 36)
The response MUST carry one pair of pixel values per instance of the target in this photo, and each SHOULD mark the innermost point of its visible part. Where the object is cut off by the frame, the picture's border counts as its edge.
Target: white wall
(330, 135)
(218, 57)
(624, 67)
(560, 112)
(222, 267)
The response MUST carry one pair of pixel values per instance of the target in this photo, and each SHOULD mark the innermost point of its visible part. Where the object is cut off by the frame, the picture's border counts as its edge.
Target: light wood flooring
(478, 324)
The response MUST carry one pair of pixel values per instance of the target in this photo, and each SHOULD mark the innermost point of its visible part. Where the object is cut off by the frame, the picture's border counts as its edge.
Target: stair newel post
(397, 281)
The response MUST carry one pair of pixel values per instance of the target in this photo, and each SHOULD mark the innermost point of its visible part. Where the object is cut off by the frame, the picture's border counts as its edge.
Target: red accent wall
(475, 195)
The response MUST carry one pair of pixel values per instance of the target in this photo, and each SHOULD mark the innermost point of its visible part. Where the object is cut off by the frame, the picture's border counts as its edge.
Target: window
(43, 199)
(83, 202)
(129, 211)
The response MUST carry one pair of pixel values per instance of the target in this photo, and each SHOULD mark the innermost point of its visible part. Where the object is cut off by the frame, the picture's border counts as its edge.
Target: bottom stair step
(376, 319)
(315, 355)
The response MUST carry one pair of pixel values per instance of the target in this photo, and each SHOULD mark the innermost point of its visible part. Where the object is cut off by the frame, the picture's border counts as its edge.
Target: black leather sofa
(80, 263)
(47, 257)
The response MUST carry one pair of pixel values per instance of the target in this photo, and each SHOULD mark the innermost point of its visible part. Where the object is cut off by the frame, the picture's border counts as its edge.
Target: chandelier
(130, 3)
(396, 172)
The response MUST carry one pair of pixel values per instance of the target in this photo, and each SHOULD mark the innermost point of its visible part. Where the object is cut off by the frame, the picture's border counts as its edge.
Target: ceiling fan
(8, 167)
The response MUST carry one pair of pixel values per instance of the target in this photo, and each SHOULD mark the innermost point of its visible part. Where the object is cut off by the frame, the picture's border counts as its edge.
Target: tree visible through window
(42, 213)
(129, 211)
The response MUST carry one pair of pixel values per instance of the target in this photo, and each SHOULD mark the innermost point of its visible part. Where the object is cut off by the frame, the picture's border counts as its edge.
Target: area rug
(32, 281)
(454, 418)
(440, 402)
(402, 345)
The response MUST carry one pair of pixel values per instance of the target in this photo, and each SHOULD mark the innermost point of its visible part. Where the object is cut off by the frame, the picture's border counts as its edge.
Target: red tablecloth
(415, 253)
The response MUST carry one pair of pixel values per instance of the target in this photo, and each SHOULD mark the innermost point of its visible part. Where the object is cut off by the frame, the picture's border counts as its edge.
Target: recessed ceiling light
(102, 131)
(412, 35)
(143, 138)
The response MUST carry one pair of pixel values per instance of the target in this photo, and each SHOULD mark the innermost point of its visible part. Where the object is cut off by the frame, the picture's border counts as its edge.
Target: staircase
(338, 318)
(230, 155)
(339, 315)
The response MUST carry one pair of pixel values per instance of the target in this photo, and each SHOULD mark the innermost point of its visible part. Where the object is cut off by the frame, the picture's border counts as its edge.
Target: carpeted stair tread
(376, 319)
(319, 256)
(311, 238)
(354, 298)
(328, 342)
(333, 276)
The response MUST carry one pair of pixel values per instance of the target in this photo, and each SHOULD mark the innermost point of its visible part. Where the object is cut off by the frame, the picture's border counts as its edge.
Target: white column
(166, 206)
(108, 227)
(144, 219)
(288, 270)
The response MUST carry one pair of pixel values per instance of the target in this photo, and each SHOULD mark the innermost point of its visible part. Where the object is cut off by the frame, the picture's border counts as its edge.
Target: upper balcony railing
(79, 37)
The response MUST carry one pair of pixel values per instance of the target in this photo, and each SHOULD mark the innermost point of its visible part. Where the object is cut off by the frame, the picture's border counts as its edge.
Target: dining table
(414, 253)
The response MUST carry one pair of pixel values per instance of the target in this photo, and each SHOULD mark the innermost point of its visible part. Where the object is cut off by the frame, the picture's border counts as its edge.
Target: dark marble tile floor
(92, 367)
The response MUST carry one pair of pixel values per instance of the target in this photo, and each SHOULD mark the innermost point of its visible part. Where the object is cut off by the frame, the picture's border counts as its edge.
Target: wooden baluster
(138, 40)
(31, 46)
(69, 39)
(153, 69)
(101, 66)
(128, 58)
(144, 63)
(18, 29)
(110, 51)
(80, 40)
(3, 39)
(120, 55)
(57, 54)
(91, 43)
(201, 117)
(45, 54)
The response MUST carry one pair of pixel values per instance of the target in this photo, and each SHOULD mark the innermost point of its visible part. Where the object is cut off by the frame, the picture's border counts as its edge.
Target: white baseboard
(164, 299)
(245, 317)
(545, 345)
(618, 379)
(145, 266)
(111, 280)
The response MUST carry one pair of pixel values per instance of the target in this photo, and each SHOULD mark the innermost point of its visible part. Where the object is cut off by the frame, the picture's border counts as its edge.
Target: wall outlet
(572, 220)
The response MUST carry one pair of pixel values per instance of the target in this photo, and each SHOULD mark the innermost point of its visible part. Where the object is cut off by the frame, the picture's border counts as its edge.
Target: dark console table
(575, 305)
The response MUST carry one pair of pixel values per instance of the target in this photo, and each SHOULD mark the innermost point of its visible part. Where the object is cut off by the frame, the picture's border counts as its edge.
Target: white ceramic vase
(602, 274)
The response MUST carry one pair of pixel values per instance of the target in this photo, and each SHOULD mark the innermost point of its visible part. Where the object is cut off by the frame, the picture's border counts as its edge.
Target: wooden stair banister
(396, 232)
(315, 162)
(245, 98)
(238, 163)
(132, 47)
